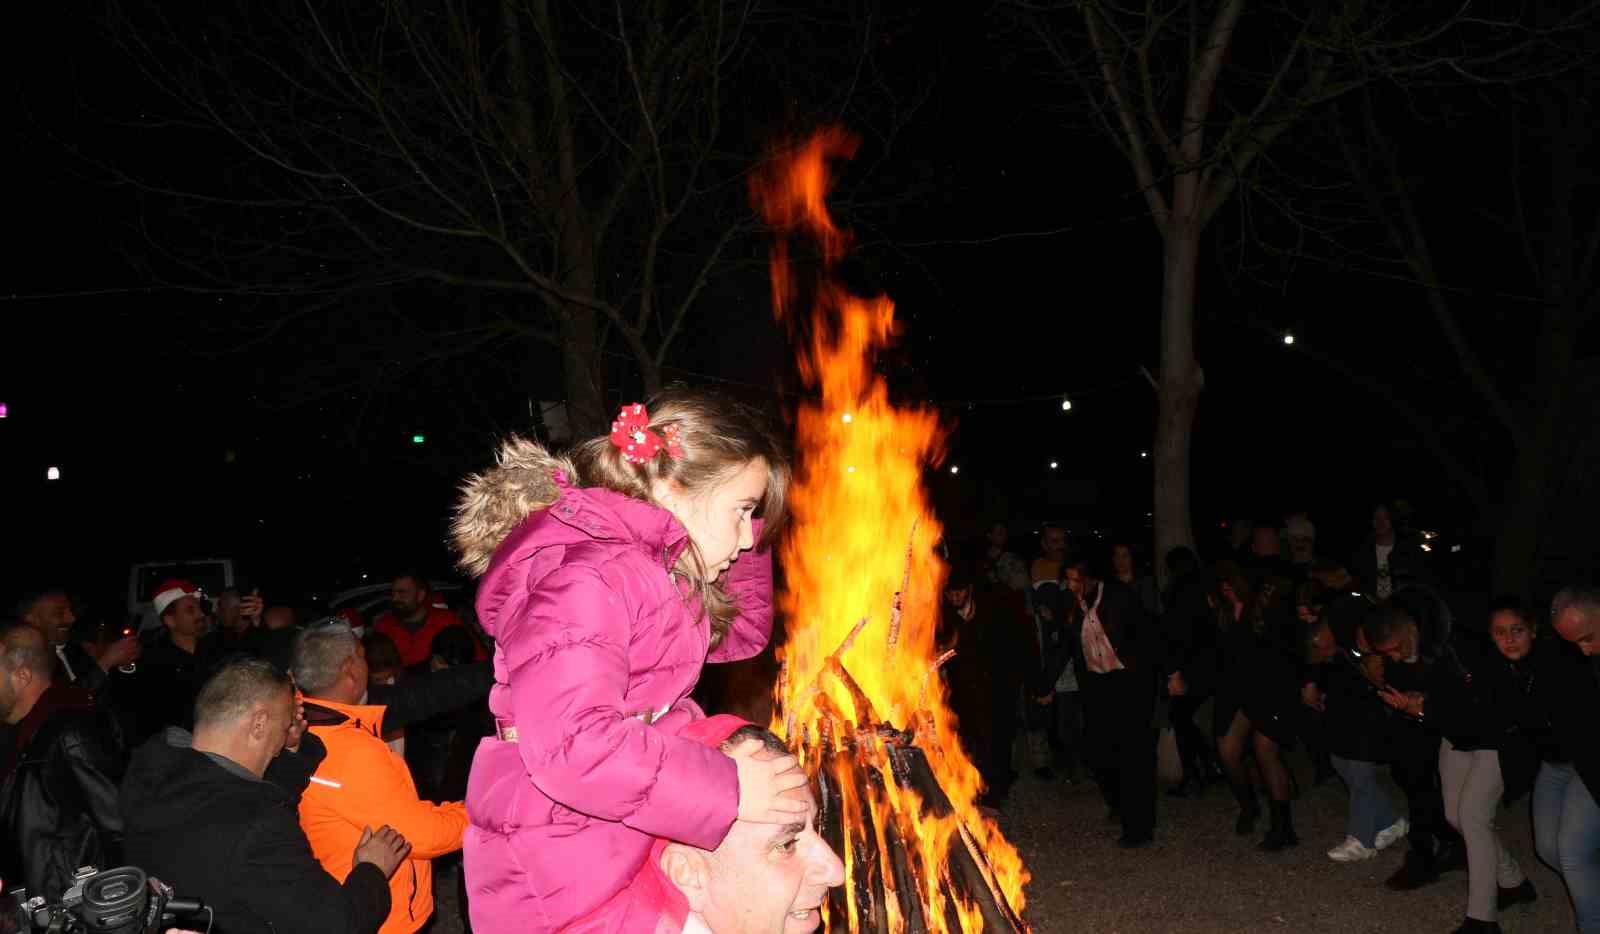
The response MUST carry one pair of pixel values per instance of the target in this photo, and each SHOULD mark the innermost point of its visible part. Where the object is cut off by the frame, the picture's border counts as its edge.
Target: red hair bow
(631, 435)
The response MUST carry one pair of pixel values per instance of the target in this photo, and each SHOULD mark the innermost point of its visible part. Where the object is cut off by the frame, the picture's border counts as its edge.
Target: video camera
(116, 901)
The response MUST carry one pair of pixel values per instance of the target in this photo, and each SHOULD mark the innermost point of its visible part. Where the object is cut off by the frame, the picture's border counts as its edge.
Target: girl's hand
(772, 788)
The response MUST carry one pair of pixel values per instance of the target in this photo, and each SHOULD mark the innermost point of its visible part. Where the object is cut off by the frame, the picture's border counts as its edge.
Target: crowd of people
(310, 777)
(1362, 664)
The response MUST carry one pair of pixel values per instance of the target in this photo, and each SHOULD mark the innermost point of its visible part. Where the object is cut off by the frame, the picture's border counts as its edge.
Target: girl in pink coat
(608, 579)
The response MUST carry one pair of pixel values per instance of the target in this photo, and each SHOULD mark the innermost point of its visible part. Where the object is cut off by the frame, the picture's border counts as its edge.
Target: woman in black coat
(1261, 669)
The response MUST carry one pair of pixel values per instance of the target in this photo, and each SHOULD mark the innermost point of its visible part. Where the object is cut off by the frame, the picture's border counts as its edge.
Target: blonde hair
(718, 435)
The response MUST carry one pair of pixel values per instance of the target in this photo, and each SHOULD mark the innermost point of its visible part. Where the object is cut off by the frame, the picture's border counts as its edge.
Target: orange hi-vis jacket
(361, 784)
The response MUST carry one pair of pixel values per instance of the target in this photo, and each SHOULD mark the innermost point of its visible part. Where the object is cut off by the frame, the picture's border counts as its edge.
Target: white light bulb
(1288, 340)
(1066, 405)
(1054, 465)
(955, 469)
(53, 473)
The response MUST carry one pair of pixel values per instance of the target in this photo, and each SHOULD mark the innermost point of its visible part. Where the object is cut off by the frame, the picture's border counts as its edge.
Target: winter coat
(1476, 698)
(596, 651)
(362, 783)
(212, 830)
(161, 692)
(58, 802)
(1566, 689)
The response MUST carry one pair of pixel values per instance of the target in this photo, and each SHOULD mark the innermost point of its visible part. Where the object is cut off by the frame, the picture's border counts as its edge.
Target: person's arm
(94, 758)
(749, 584)
(285, 886)
(292, 771)
(566, 653)
(373, 793)
(421, 697)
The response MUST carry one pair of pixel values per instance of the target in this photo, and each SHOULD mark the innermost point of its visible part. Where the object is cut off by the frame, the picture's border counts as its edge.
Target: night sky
(1008, 233)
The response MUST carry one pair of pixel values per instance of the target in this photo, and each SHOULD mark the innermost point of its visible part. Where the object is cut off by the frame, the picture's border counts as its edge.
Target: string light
(955, 469)
(1054, 465)
(52, 473)
(1144, 453)
(1288, 340)
(1066, 405)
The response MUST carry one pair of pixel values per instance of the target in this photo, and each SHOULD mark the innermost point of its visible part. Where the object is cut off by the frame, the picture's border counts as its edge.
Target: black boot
(1474, 926)
(1249, 810)
(1516, 895)
(1280, 835)
(1188, 788)
(1417, 871)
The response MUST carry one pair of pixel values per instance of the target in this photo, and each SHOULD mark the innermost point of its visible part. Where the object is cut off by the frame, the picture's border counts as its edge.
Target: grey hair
(319, 653)
(1586, 600)
(236, 689)
(770, 740)
(22, 649)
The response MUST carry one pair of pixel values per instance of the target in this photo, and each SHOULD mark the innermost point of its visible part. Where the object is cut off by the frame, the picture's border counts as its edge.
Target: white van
(211, 575)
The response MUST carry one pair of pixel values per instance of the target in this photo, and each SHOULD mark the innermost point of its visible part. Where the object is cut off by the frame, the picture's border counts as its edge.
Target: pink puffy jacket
(595, 655)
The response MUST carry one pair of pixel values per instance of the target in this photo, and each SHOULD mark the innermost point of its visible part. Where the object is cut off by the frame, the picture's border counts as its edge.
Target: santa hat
(170, 592)
(651, 902)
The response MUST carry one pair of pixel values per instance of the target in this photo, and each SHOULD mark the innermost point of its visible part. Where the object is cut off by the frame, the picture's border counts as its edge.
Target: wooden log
(907, 887)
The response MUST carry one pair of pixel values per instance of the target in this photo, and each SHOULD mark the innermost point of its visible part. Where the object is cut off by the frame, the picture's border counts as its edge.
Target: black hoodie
(211, 830)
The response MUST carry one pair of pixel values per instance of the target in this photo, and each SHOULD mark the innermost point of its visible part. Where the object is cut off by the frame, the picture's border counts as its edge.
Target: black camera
(116, 901)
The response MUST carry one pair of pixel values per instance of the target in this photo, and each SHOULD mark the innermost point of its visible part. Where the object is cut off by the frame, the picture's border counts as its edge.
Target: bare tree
(578, 164)
(1195, 109)
(1546, 215)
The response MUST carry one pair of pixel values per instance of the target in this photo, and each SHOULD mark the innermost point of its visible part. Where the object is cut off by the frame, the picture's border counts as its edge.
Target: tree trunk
(1178, 392)
(580, 373)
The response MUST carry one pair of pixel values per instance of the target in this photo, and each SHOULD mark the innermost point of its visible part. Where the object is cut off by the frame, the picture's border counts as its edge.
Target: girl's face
(1511, 634)
(719, 518)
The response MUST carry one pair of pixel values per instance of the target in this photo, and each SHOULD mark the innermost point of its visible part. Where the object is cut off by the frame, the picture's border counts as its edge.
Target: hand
(385, 849)
(124, 651)
(1410, 702)
(1311, 696)
(437, 663)
(1176, 686)
(297, 725)
(772, 788)
(251, 607)
(1044, 700)
(1372, 666)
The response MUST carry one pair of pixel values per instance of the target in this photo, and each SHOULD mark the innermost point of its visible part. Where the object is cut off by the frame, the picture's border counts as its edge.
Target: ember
(896, 802)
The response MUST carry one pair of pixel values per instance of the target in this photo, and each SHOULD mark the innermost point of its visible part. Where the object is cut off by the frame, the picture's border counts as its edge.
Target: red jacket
(417, 647)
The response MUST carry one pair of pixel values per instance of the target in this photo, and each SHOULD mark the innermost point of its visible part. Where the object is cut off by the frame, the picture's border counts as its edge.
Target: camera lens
(114, 900)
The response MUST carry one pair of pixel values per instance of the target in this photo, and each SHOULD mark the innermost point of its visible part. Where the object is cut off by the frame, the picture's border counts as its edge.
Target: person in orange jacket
(414, 619)
(362, 780)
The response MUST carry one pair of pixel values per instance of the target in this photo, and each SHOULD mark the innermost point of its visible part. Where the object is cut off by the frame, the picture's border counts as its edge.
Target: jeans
(1370, 810)
(1566, 832)
(1472, 787)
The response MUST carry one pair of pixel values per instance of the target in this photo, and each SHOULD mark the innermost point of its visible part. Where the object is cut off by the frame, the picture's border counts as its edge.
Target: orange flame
(863, 580)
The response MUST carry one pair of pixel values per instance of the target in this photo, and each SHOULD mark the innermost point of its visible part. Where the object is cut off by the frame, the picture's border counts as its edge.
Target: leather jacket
(58, 804)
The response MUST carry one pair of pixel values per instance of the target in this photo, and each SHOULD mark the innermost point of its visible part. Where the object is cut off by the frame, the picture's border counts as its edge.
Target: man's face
(52, 616)
(1303, 548)
(1264, 542)
(958, 597)
(1580, 628)
(358, 666)
(1122, 560)
(406, 596)
(1382, 523)
(187, 618)
(769, 879)
(1512, 635)
(1053, 543)
(998, 536)
(1401, 645)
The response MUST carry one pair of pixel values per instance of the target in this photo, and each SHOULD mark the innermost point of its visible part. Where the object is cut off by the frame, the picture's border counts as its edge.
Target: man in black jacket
(215, 815)
(58, 780)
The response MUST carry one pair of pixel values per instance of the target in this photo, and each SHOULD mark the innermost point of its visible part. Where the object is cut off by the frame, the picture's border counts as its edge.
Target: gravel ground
(1199, 878)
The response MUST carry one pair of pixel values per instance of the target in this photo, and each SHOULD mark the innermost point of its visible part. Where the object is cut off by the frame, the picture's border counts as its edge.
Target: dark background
(1024, 270)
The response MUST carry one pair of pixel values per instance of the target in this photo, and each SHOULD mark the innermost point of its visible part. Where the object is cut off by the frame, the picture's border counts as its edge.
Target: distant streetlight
(1054, 465)
(955, 468)
(52, 473)
(1144, 453)
(1066, 405)
(1288, 340)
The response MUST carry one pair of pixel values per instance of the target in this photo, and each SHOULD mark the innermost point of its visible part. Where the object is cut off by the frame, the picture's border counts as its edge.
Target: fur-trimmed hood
(495, 502)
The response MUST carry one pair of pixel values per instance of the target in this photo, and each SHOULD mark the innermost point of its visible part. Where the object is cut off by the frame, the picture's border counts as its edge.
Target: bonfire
(859, 694)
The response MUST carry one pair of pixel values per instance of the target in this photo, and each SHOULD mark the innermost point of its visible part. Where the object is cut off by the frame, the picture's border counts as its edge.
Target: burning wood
(896, 792)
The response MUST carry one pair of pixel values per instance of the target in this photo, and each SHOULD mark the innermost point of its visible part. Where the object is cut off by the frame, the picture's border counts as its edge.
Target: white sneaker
(1351, 851)
(1392, 834)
